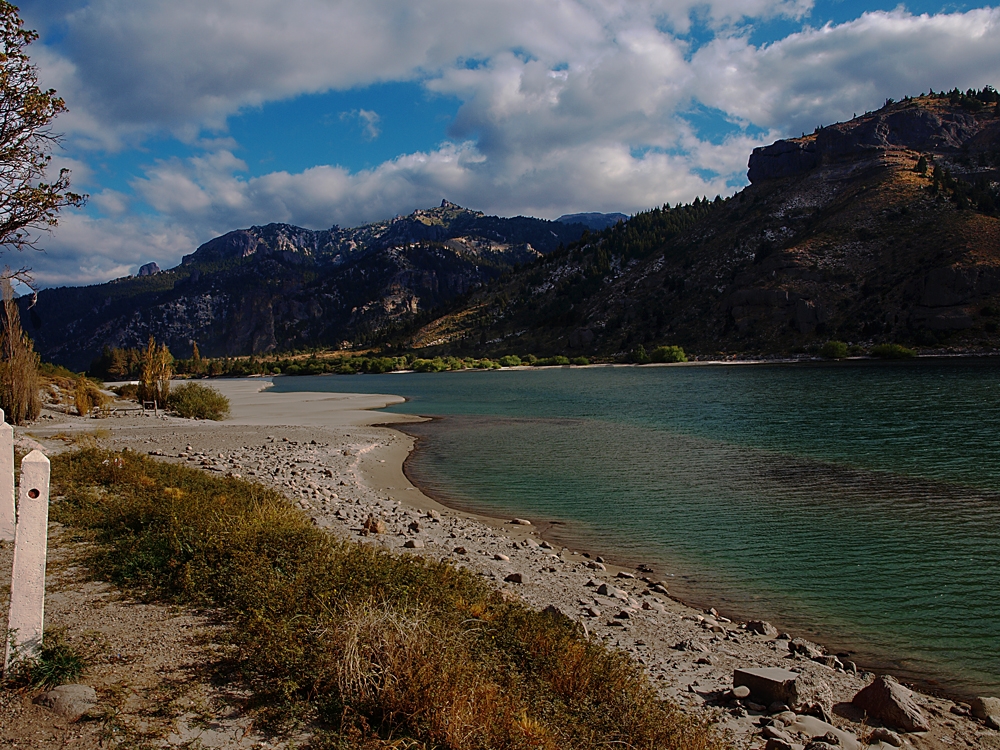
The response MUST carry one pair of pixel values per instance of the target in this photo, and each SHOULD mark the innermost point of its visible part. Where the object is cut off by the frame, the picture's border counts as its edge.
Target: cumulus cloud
(566, 105)
(184, 64)
(820, 76)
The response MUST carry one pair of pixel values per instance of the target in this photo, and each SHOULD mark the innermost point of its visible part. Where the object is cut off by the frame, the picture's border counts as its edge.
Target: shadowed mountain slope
(882, 229)
(280, 287)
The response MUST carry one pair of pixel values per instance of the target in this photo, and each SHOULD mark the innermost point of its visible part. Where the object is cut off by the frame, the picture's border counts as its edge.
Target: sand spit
(324, 452)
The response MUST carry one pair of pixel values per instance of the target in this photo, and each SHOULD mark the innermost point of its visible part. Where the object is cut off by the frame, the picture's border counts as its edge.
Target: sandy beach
(332, 456)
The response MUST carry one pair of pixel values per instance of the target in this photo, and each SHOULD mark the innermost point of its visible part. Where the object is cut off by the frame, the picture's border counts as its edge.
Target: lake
(854, 503)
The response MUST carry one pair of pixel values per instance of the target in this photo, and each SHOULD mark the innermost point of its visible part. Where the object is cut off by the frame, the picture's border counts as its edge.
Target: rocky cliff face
(914, 125)
(842, 234)
(280, 287)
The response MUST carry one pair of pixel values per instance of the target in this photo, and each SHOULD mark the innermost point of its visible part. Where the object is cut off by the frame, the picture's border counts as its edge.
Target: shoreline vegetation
(358, 642)
(127, 364)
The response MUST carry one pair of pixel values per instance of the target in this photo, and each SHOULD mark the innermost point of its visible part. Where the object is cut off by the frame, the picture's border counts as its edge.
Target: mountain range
(885, 228)
(281, 287)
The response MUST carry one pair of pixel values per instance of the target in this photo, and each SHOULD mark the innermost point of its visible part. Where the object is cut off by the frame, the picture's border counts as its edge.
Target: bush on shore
(197, 401)
(87, 396)
(892, 351)
(668, 354)
(833, 350)
(361, 643)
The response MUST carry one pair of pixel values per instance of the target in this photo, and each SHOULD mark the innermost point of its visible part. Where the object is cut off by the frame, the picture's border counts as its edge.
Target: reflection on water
(858, 504)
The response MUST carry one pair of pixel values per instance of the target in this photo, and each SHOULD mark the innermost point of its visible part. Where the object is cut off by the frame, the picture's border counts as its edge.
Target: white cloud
(130, 68)
(86, 250)
(369, 121)
(820, 76)
(566, 105)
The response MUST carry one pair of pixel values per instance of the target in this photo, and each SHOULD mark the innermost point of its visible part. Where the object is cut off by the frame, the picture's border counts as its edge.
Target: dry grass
(369, 648)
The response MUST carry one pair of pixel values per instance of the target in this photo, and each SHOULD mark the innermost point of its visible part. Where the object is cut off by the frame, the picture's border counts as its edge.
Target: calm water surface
(858, 503)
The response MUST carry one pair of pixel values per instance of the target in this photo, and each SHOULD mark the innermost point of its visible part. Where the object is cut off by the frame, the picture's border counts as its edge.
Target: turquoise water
(857, 503)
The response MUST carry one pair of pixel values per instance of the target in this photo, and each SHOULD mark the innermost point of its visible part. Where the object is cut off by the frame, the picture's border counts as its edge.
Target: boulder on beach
(988, 710)
(891, 703)
(69, 701)
(762, 627)
(769, 684)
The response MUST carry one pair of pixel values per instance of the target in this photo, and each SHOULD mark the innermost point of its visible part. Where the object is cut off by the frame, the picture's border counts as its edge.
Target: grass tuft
(56, 663)
(372, 649)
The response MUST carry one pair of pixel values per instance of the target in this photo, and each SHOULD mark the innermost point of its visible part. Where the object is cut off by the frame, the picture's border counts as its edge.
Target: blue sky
(191, 118)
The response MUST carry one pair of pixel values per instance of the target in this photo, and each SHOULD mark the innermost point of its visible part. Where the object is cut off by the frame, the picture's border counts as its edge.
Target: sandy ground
(324, 453)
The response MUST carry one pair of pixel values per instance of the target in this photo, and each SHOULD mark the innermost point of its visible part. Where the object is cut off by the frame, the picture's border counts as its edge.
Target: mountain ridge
(255, 290)
(884, 228)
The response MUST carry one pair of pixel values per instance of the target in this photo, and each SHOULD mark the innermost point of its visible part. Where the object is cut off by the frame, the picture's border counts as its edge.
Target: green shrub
(668, 354)
(580, 361)
(639, 356)
(197, 401)
(833, 350)
(56, 663)
(371, 643)
(551, 361)
(892, 351)
(511, 360)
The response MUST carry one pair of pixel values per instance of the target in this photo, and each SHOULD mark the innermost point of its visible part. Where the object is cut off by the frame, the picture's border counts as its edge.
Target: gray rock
(881, 734)
(828, 660)
(741, 692)
(69, 701)
(623, 574)
(515, 578)
(806, 648)
(414, 526)
(592, 612)
(413, 544)
(887, 700)
(773, 732)
(521, 522)
(596, 565)
(461, 551)
(779, 744)
(500, 556)
(769, 684)
(762, 627)
(986, 709)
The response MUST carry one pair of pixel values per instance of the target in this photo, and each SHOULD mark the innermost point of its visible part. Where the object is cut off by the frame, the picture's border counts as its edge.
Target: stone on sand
(69, 701)
(988, 710)
(769, 684)
(891, 703)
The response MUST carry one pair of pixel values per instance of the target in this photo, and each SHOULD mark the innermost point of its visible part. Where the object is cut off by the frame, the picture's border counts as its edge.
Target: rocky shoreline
(346, 473)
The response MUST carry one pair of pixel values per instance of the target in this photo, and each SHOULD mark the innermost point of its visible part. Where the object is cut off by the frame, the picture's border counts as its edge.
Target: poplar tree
(19, 397)
(29, 200)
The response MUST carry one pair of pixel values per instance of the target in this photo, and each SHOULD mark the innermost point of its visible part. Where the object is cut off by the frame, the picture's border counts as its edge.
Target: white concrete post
(8, 518)
(27, 586)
